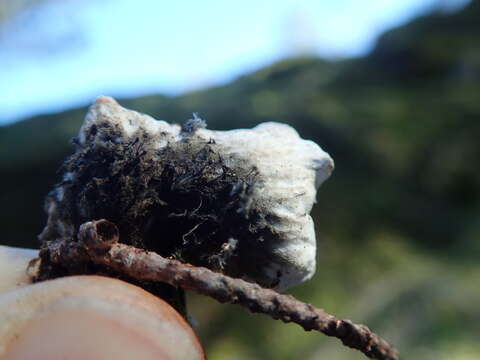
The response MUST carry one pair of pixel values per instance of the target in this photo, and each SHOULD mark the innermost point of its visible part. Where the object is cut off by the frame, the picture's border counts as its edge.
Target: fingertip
(91, 317)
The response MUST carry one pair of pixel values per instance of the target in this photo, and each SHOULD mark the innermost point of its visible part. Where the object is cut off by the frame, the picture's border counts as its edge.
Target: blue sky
(136, 47)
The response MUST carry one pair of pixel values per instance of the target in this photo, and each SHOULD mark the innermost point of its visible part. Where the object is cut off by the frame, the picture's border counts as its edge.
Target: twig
(98, 243)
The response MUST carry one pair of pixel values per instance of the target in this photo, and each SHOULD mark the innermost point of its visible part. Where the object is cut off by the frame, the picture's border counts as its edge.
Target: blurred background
(391, 89)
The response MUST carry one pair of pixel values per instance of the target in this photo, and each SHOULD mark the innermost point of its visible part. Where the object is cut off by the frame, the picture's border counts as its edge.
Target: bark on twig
(98, 243)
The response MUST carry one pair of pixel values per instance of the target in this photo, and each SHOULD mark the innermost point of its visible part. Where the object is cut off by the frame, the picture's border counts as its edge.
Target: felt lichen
(236, 201)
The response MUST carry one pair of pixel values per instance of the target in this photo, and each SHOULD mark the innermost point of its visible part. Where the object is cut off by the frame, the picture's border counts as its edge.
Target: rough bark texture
(98, 243)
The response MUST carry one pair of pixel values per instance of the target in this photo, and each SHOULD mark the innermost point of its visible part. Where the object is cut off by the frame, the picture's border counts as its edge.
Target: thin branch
(98, 243)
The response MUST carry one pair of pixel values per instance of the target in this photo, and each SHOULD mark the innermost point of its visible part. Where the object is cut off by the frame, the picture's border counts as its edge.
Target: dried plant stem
(98, 243)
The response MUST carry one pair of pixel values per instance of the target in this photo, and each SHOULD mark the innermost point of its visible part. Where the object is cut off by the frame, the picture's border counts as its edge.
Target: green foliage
(399, 220)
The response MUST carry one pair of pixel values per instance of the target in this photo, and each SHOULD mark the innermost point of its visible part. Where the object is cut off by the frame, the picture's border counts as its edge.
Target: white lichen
(274, 177)
(291, 170)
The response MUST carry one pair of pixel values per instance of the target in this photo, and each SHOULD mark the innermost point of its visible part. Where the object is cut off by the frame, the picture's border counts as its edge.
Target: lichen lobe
(185, 193)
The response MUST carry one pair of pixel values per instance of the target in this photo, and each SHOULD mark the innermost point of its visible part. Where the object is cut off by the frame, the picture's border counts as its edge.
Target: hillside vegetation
(398, 222)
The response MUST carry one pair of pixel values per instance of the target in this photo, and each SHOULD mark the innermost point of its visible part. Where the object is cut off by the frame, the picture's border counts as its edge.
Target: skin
(85, 317)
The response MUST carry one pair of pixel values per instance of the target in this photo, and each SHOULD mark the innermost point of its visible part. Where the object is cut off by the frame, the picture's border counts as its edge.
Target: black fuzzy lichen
(184, 200)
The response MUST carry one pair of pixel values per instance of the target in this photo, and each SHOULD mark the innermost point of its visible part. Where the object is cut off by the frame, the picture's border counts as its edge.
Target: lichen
(236, 202)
